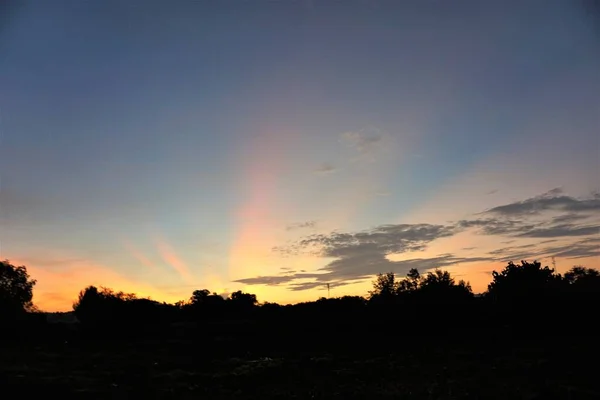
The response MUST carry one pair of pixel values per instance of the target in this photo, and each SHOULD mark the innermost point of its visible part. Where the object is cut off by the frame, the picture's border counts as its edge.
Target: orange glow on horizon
(57, 289)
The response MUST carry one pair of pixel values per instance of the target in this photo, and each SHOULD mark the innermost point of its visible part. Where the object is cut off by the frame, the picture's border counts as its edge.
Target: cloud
(514, 252)
(345, 271)
(495, 226)
(587, 247)
(382, 240)
(520, 229)
(358, 255)
(267, 280)
(369, 144)
(562, 231)
(528, 219)
(318, 285)
(568, 218)
(325, 168)
(362, 143)
(553, 200)
(301, 225)
(438, 262)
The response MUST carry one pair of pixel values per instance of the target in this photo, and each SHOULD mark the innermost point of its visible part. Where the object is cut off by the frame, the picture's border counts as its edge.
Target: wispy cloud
(325, 168)
(369, 144)
(301, 225)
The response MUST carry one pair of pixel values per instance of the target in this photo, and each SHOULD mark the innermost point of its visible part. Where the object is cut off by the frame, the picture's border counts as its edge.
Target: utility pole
(328, 290)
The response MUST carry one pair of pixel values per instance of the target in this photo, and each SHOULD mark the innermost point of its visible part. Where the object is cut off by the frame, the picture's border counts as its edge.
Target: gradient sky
(275, 146)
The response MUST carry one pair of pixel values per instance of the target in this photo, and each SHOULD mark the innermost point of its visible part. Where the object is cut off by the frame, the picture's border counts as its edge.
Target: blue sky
(159, 147)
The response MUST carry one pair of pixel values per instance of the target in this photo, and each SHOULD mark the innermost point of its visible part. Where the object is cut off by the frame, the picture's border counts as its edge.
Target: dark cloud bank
(357, 256)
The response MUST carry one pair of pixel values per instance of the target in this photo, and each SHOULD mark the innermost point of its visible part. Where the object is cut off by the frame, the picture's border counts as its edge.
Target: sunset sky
(276, 146)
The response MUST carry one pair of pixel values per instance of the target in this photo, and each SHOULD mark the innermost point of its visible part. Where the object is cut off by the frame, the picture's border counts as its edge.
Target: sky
(276, 147)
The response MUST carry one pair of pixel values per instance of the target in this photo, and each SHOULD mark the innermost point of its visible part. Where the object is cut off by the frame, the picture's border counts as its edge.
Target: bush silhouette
(103, 310)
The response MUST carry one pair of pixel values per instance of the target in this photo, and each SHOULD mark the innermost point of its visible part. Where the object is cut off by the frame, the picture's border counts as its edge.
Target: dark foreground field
(398, 368)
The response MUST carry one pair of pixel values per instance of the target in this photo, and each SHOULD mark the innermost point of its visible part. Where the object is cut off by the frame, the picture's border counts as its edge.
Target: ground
(406, 368)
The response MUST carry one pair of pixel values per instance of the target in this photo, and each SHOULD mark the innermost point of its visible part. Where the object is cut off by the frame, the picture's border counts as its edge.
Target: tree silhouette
(526, 295)
(439, 280)
(16, 289)
(199, 297)
(245, 299)
(582, 295)
(241, 302)
(441, 289)
(525, 283)
(583, 279)
(385, 286)
(411, 283)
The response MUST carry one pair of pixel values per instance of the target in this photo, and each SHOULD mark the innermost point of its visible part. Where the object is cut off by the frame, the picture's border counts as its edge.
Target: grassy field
(411, 368)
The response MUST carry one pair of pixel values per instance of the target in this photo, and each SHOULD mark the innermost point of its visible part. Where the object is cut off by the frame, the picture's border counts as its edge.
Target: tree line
(525, 295)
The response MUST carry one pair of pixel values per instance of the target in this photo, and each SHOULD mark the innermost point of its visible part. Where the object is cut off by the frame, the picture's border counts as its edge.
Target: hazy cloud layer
(356, 256)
